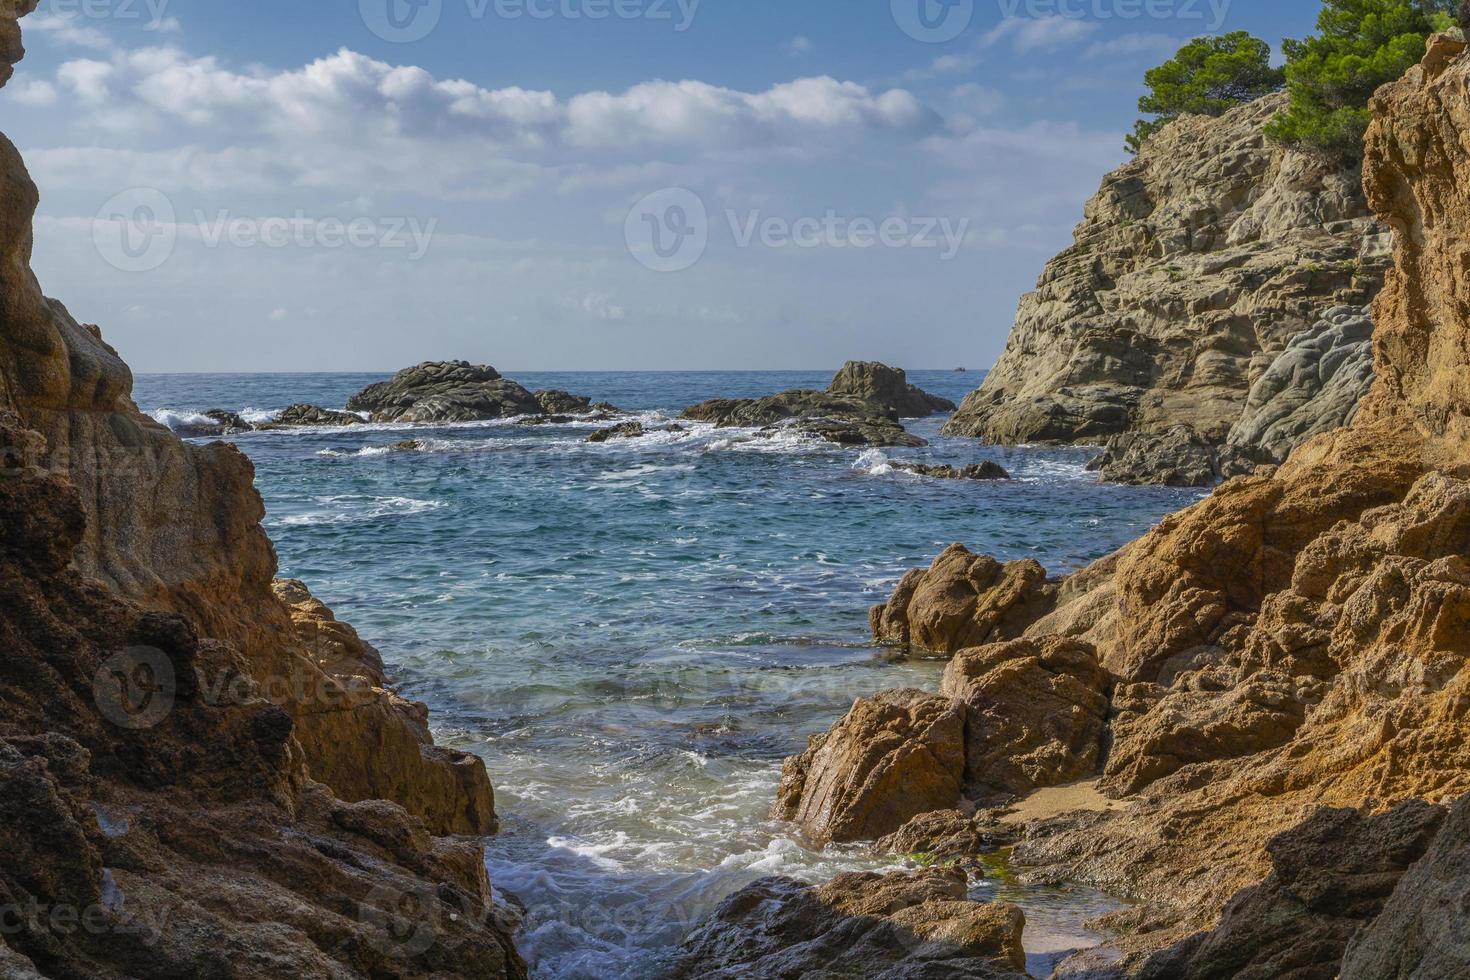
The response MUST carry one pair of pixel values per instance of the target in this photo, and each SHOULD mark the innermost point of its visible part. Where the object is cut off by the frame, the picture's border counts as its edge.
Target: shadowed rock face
(1195, 265)
(862, 407)
(915, 925)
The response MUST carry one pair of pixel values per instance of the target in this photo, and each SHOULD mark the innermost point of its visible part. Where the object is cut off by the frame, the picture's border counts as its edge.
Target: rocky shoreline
(1268, 691)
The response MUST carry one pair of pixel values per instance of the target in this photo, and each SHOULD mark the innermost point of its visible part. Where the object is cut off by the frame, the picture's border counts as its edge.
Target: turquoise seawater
(635, 635)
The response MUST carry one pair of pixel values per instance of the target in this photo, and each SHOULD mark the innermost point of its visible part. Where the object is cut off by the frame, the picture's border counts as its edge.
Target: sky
(358, 185)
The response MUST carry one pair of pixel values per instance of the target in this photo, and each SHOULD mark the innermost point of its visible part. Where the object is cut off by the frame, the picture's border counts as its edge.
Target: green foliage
(1361, 45)
(1208, 77)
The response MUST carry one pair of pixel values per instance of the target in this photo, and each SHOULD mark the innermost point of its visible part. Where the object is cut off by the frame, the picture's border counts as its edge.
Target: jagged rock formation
(862, 407)
(917, 925)
(1177, 457)
(1195, 265)
(300, 416)
(962, 600)
(157, 778)
(1298, 641)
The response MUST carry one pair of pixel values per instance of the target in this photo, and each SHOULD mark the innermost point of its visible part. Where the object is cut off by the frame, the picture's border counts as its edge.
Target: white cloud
(68, 31)
(1028, 34)
(278, 314)
(34, 92)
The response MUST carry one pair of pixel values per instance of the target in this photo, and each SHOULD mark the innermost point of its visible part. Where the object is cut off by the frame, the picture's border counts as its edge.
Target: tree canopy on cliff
(1208, 77)
(1361, 45)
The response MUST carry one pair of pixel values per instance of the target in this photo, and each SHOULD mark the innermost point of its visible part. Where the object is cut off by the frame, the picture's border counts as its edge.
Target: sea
(635, 634)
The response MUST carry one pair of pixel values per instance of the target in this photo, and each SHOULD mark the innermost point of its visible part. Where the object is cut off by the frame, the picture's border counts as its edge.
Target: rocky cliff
(217, 804)
(1195, 267)
(1287, 664)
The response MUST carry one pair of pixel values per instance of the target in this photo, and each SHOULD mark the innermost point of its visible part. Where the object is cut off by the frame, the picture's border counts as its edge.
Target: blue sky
(575, 184)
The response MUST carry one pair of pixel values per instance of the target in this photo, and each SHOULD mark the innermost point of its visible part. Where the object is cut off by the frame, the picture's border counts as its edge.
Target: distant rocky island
(1210, 315)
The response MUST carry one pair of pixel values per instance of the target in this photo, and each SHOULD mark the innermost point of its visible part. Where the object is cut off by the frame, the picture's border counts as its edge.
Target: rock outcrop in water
(184, 769)
(438, 392)
(916, 925)
(975, 471)
(862, 407)
(1197, 264)
(1288, 662)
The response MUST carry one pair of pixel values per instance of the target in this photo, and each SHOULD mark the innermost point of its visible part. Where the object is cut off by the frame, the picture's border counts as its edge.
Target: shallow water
(634, 635)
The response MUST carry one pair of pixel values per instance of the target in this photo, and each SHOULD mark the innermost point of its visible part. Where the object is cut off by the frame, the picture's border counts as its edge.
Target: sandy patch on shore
(1052, 802)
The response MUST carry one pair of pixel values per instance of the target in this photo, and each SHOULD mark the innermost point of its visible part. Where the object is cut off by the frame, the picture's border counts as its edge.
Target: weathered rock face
(869, 381)
(1035, 714)
(445, 391)
(963, 600)
(1194, 266)
(915, 925)
(1421, 931)
(627, 430)
(861, 407)
(892, 758)
(1313, 386)
(117, 540)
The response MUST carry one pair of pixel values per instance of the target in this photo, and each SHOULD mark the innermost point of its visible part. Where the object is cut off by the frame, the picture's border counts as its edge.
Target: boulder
(941, 835)
(893, 757)
(1035, 714)
(917, 925)
(975, 471)
(963, 600)
(1196, 265)
(442, 392)
(558, 402)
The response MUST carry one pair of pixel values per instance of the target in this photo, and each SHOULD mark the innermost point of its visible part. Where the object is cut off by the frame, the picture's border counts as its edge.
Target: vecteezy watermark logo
(405, 21)
(933, 21)
(152, 12)
(1217, 12)
(401, 21)
(136, 231)
(668, 230)
(135, 687)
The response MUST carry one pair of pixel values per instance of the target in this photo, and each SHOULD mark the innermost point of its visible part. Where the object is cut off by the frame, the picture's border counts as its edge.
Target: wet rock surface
(917, 925)
(974, 471)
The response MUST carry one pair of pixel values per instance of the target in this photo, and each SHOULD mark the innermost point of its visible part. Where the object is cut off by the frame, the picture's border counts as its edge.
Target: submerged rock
(917, 925)
(862, 407)
(962, 600)
(975, 471)
(300, 416)
(892, 758)
(628, 430)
